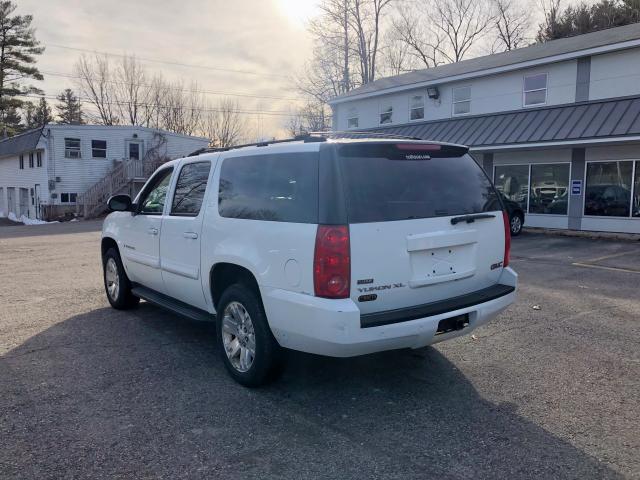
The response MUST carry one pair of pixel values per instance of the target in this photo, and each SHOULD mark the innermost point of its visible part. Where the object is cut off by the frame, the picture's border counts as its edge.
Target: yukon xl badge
(378, 288)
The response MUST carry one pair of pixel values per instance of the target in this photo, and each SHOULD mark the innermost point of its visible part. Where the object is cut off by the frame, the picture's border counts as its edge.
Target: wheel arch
(106, 244)
(224, 274)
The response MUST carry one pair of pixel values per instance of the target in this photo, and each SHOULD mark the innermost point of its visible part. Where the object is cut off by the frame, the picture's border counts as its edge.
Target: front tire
(515, 224)
(116, 283)
(247, 347)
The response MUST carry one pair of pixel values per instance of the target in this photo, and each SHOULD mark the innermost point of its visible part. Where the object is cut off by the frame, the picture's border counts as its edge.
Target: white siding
(76, 175)
(492, 94)
(615, 74)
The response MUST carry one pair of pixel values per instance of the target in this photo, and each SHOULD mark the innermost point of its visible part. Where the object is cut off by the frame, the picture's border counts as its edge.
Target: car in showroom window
(608, 189)
(549, 191)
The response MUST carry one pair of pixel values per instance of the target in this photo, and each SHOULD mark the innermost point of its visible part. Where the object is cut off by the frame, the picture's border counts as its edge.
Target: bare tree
(314, 116)
(512, 24)
(422, 43)
(132, 92)
(96, 85)
(224, 125)
(180, 110)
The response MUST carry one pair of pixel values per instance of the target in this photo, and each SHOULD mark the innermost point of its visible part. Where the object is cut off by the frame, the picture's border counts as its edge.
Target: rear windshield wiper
(471, 218)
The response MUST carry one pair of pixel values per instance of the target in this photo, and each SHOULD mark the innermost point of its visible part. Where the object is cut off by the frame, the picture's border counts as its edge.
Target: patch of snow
(26, 220)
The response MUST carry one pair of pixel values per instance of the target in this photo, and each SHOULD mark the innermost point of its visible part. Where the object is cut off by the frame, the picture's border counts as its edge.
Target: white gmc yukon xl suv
(329, 245)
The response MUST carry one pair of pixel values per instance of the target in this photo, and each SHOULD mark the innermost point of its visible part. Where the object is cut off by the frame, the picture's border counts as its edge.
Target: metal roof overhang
(601, 121)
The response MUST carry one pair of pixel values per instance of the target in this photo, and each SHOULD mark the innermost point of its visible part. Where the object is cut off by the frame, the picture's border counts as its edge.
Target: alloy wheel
(238, 336)
(112, 278)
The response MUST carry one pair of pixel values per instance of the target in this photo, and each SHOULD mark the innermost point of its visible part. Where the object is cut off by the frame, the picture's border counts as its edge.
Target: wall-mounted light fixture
(433, 92)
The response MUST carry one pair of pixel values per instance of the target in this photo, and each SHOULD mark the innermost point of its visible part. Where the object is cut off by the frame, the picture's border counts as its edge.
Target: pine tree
(18, 51)
(37, 115)
(69, 109)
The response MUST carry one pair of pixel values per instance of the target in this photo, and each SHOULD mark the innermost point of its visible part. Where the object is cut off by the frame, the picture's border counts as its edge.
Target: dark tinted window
(280, 188)
(99, 148)
(154, 196)
(190, 188)
(608, 189)
(405, 185)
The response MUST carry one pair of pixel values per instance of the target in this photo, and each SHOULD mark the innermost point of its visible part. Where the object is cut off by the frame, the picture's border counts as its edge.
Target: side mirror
(120, 203)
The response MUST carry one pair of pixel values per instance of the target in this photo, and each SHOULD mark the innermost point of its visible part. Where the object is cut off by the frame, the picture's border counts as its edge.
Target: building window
(21, 162)
(352, 118)
(416, 107)
(68, 197)
(30, 159)
(99, 148)
(549, 190)
(608, 189)
(72, 148)
(535, 89)
(39, 158)
(386, 113)
(462, 100)
(513, 182)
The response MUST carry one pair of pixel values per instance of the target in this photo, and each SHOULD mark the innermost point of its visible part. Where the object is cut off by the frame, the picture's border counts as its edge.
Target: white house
(557, 125)
(45, 172)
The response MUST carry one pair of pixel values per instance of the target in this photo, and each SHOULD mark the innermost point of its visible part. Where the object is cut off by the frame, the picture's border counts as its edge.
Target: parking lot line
(602, 267)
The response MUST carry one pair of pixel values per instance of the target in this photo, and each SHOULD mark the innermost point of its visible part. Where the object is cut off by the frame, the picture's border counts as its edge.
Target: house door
(24, 202)
(37, 200)
(134, 148)
(11, 200)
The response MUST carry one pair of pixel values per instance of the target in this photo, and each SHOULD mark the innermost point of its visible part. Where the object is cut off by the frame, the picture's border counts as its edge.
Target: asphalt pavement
(545, 392)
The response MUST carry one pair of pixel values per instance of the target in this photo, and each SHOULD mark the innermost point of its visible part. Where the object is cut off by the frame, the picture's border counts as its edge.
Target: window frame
(144, 192)
(352, 114)
(634, 163)
(423, 107)
(389, 112)
(31, 160)
(93, 149)
(72, 149)
(454, 102)
(21, 162)
(39, 158)
(175, 186)
(525, 91)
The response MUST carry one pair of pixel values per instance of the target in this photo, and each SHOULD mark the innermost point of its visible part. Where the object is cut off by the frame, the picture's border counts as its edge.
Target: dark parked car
(516, 215)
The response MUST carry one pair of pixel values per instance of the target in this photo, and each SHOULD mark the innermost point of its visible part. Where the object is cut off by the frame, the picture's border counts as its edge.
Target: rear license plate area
(453, 324)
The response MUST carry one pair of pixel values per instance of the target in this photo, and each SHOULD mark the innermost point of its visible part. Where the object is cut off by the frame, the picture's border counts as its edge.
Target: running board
(172, 304)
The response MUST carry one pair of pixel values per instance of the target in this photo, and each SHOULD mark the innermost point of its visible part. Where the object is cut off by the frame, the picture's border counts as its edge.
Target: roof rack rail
(307, 138)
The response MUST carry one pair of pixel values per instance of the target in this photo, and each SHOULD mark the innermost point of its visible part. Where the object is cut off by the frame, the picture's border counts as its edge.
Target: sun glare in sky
(298, 11)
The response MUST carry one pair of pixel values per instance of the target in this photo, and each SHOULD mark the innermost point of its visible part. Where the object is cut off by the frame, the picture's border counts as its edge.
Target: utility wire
(167, 62)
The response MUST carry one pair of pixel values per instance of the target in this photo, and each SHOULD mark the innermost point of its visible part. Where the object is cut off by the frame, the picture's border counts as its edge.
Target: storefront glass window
(636, 192)
(513, 182)
(549, 192)
(608, 189)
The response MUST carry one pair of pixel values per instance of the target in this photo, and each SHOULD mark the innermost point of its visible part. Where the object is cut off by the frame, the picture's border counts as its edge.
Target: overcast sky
(264, 38)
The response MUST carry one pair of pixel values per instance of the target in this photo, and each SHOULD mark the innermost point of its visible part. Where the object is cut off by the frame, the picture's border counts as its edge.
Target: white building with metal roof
(557, 125)
(53, 170)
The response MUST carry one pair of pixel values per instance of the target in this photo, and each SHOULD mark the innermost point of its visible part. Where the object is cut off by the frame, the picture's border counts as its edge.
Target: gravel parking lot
(90, 392)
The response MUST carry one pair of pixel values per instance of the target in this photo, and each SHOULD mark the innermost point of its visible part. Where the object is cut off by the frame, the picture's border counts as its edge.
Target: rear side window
(278, 188)
(190, 189)
(384, 184)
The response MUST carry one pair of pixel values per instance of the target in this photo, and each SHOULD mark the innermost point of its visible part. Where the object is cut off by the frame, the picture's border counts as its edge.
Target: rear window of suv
(386, 182)
(278, 187)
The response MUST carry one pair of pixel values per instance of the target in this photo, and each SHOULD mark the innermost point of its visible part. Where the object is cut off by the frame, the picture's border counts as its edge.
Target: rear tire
(116, 283)
(248, 349)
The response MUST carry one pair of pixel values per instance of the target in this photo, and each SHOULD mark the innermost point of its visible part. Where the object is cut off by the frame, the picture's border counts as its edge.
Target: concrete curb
(626, 237)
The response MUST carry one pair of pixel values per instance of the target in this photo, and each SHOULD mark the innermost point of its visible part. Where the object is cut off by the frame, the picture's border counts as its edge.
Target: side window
(190, 189)
(278, 188)
(153, 198)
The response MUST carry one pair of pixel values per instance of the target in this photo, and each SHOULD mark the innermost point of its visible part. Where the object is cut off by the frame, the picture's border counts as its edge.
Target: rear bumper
(335, 327)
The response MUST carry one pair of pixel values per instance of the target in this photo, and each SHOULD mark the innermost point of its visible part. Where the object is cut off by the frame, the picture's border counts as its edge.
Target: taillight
(332, 262)
(507, 239)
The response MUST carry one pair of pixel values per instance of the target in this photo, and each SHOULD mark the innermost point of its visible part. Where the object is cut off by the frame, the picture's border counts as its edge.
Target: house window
(416, 107)
(549, 190)
(39, 158)
(535, 89)
(21, 162)
(607, 190)
(68, 197)
(31, 160)
(386, 113)
(636, 192)
(352, 118)
(99, 148)
(512, 181)
(462, 100)
(72, 148)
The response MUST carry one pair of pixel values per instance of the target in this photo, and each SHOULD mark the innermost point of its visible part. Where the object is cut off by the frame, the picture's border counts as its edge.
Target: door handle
(152, 231)
(192, 235)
